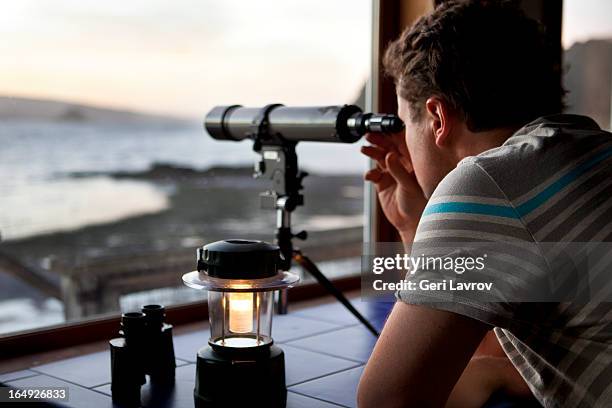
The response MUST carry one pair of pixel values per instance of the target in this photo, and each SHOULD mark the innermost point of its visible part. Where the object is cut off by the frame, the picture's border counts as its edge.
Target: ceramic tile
(353, 343)
(290, 327)
(339, 388)
(302, 365)
(335, 312)
(186, 346)
(300, 401)
(16, 375)
(88, 370)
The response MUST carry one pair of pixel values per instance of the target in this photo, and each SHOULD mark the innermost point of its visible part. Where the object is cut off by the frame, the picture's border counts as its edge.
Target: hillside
(587, 77)
(15, 108)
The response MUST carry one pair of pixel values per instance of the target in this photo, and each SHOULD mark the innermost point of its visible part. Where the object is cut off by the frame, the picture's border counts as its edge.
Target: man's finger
(397, 170)
(407, 163)
(381, 140)
(400, 141)
(381, 179)
(373, 175)
(374, 152)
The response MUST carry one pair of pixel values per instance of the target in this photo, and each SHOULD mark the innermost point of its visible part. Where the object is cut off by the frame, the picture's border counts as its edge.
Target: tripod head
(275, 130)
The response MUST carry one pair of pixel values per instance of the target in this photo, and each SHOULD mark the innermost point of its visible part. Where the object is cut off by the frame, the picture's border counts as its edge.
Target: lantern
(241, 364)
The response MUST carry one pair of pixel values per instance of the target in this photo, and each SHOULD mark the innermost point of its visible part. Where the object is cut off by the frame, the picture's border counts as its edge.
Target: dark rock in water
(172, 172)
(166, 171)
(159, 171)
(229, 171)
(73, 114)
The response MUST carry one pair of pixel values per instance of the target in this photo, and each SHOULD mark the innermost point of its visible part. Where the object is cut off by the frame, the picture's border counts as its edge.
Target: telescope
(275, 130)
(336, 124)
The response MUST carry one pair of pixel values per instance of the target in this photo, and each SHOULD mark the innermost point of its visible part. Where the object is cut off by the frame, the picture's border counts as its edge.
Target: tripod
(280, 165)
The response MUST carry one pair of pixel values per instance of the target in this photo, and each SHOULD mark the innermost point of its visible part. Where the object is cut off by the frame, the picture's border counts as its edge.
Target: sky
(182, 57)
(584, 19)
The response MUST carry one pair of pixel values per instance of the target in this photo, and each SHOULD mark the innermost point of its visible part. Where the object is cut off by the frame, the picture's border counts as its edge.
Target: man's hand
(400, 195)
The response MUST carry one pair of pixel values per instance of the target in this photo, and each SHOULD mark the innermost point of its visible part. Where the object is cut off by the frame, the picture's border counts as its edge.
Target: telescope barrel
(336, 124)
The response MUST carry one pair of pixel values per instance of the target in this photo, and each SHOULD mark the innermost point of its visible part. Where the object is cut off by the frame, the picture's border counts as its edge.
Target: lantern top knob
(239, 265)
(239, 259)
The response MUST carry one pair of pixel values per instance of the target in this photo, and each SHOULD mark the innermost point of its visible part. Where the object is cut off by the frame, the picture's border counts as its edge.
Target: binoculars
(144, 348)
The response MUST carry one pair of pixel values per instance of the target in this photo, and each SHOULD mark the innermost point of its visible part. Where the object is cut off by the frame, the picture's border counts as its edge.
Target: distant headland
(29, 109)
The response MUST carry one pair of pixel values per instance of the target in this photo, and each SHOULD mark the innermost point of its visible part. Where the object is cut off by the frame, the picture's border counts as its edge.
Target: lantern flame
(241, 312)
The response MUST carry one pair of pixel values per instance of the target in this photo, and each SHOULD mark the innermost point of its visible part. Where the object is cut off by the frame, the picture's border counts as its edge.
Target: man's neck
(474, 143)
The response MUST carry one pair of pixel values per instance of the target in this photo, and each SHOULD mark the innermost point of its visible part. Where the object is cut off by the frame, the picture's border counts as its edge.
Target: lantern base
(230, 379)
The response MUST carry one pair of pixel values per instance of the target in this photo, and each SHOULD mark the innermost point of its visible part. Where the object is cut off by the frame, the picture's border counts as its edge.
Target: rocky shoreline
(205, 205)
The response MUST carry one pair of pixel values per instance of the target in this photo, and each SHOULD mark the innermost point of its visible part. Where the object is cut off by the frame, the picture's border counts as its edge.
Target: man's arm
(418, 358)
(483, 376)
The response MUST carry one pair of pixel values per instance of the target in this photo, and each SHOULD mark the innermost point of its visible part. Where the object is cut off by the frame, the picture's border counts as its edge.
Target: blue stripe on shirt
(526, 207)
(471, 208)
(563, 182)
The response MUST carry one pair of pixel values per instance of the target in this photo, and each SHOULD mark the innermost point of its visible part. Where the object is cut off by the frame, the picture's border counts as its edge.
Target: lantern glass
(240, 319)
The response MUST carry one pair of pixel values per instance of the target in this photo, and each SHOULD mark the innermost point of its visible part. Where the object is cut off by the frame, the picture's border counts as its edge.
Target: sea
(41, 193)
(38, 161)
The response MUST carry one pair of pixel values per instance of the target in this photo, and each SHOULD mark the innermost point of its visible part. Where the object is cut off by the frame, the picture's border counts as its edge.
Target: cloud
(181, 57)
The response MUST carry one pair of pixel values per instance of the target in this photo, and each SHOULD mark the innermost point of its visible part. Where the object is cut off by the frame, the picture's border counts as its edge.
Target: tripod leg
(281, 304)
(310, 266)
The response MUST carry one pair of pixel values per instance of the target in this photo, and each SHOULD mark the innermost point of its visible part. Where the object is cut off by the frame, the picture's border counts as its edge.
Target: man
(486, 156)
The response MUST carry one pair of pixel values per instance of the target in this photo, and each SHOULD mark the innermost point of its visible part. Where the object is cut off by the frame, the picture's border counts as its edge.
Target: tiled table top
(325, 350)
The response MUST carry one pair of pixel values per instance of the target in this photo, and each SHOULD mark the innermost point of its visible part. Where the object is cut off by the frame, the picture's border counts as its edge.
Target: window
(587, 43)
(109, 182)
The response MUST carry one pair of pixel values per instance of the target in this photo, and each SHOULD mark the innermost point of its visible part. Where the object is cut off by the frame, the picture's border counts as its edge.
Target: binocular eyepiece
(336, 124)
(144, 348)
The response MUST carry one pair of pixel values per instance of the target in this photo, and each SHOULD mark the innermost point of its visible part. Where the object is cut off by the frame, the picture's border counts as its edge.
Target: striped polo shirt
(537, 202)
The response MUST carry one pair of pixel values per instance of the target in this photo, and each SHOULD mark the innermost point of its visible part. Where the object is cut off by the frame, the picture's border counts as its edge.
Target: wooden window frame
(389, 17)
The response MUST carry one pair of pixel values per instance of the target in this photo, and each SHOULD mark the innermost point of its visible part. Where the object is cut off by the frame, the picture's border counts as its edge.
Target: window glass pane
(587, 42)
(109, 182)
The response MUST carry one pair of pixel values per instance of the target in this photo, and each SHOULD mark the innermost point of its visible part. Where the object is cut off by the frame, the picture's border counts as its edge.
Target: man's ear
(439, 117)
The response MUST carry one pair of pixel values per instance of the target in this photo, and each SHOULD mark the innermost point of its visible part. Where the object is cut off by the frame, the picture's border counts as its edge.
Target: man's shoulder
(467, 179)
(545, 148)
(469, 191)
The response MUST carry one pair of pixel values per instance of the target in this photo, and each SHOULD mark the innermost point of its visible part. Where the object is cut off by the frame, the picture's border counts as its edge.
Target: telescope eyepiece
(385, 124)
(363, 123)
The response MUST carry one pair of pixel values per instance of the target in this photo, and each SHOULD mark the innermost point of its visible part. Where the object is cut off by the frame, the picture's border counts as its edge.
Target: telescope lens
(363, 123)
(215, 122)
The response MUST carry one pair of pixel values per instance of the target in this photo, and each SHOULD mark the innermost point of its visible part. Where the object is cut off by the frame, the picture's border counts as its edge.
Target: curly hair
(486, 59)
